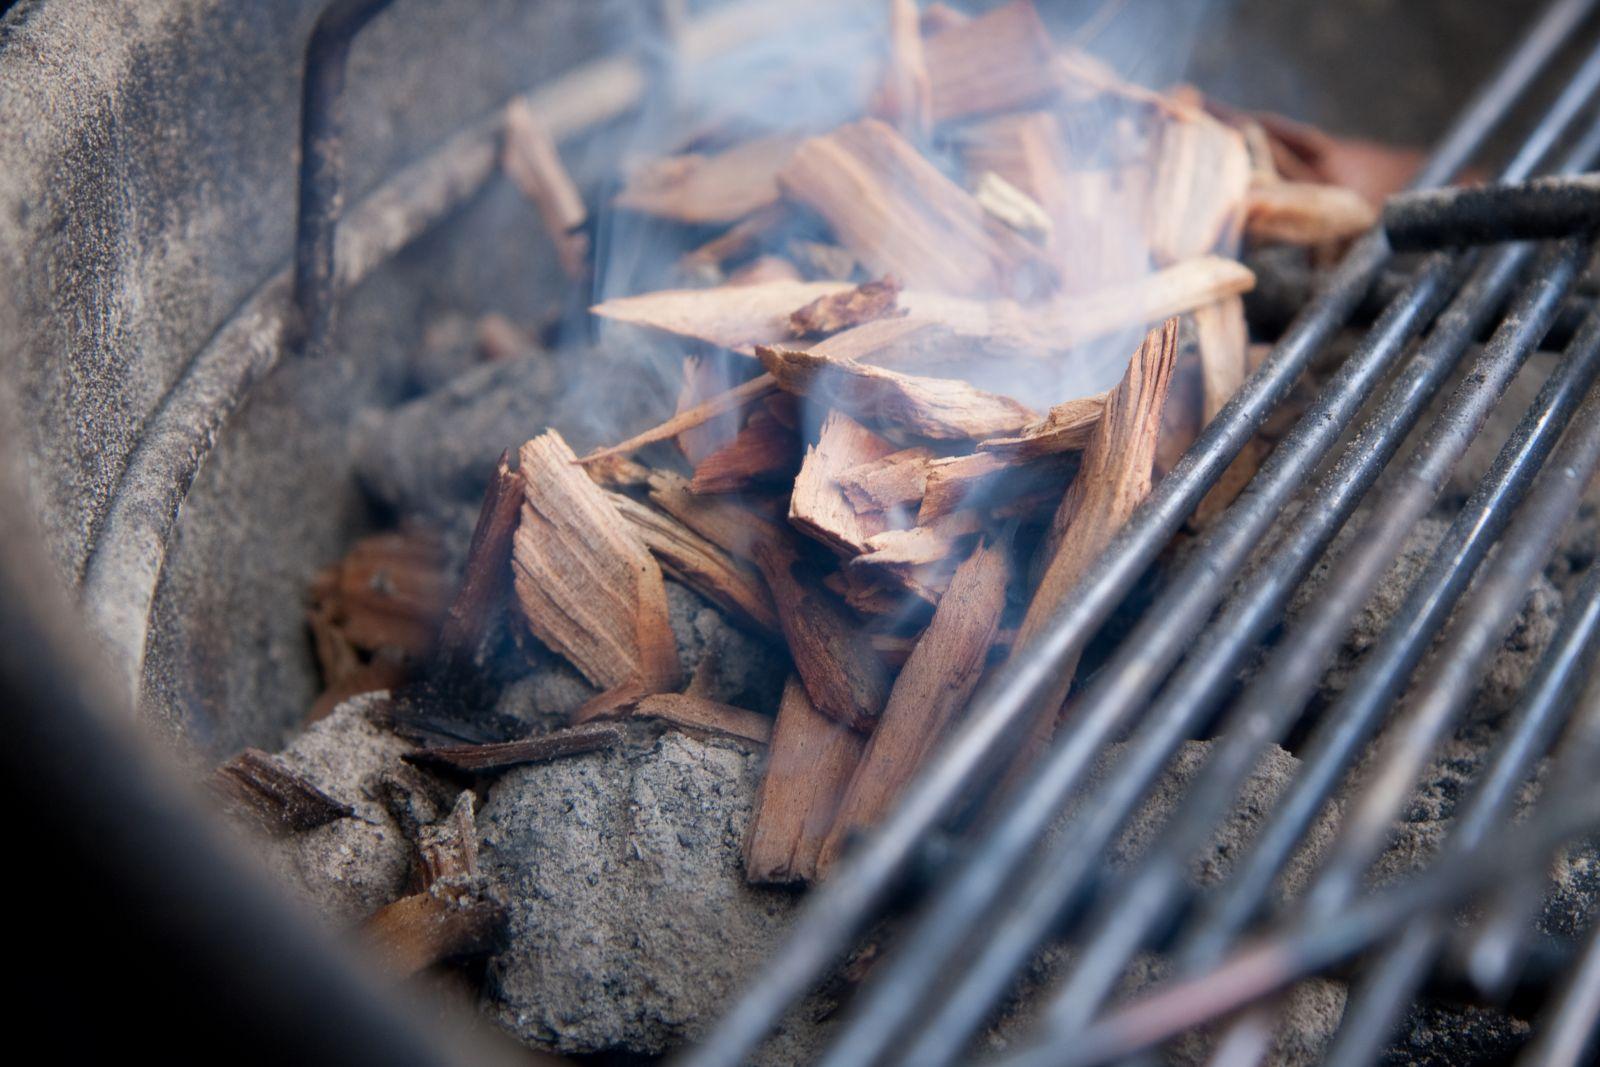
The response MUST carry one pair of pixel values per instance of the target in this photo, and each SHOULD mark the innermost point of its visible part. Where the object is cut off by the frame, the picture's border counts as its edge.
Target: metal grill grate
(1008, 886)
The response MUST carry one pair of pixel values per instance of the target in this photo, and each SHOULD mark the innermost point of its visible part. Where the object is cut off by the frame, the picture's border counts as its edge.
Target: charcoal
(347, 869)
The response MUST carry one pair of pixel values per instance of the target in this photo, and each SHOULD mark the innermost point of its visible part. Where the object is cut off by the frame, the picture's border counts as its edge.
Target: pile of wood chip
(881, 454)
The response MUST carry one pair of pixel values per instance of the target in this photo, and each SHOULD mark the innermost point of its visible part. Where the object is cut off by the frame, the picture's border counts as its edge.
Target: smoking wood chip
(920, 545)
(809, 762)
(700, 564)
(989, 480)
(764, 451)
(1223, 340)
(899, 215)
(844, 679)
(588, 587)
(1202, 178)
(256, 787)
(931, 691)
(817, 505)
(704, 379)
(838, 311)
(736, 317)
(893, 480)
(739, 241)
(1113, 480)
(938, 408)
(532, 162)
(904, 97)
(1067, 427)
(487, 573)
(499, 755)
(697, 714)
(733, 400)
(1000, 61)
(703, 189)
(1012, 207)
(1301, 213)
(766, 269)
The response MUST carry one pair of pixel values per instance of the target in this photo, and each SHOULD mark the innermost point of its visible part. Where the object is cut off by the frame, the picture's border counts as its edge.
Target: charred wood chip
(256, 787)
(498, 756)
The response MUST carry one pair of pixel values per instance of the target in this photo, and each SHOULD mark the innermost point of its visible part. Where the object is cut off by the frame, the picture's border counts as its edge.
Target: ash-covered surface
(349, 868)
(631, 923)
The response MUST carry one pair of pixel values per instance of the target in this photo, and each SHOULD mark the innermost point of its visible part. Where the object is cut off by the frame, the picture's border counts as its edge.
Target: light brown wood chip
(867, 302)
(809, 761)
(703, 189)
(904, 97)
(765, 451)
(892, 481)
(588, 587)
(930, 693)
(818, 506)
(708, 716)
(736, 317)
(699, 564)
(899, 215)
(1113, 480)
(532, 162)
(1066, 427)
(938, 408)
(1202, 178)
(1300, 213)
(1223, 339)
(1000, 61)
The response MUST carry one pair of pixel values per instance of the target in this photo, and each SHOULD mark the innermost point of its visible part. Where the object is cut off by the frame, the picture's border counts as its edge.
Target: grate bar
(842, 907)
(1273, 701)
(1539, 209)
(1548, 700)
(1484, 616)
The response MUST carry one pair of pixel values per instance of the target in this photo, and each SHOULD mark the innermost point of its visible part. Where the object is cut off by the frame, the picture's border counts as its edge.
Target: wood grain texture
(587, 585)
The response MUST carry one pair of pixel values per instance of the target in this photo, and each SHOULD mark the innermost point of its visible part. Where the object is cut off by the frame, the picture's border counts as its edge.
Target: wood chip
(1300, 213)
(532, 162)
(1114, 479)
(931, 692)
(697, 714)
(818, 506)
(891, 481)
(899, 215)
(735, 317)
(1001, 61)
(739, 241)
(497, 756)
(734, 400)
(938, 408)
(904, 97)
(588, 587)
(920, 545)
(389, 592)
(765, 451)
(418, 931)
(704, 379)
(844, 679)
(867, 302)
(1202, 179)
(1066, 427)
(703, 189)
(1223, 339)
(701, 565)
(256, 787)
(809, 762)
(1012, 207)
(487, 573)
(1305, 153)
(986, 480)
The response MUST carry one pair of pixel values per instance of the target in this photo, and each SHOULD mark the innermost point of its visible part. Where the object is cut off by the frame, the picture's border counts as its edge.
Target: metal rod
(1274, 699)
(1568, 1035)
(322, 171)
(859, 886)
(1391, 983)
(1300, 950)
(1540, 208)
